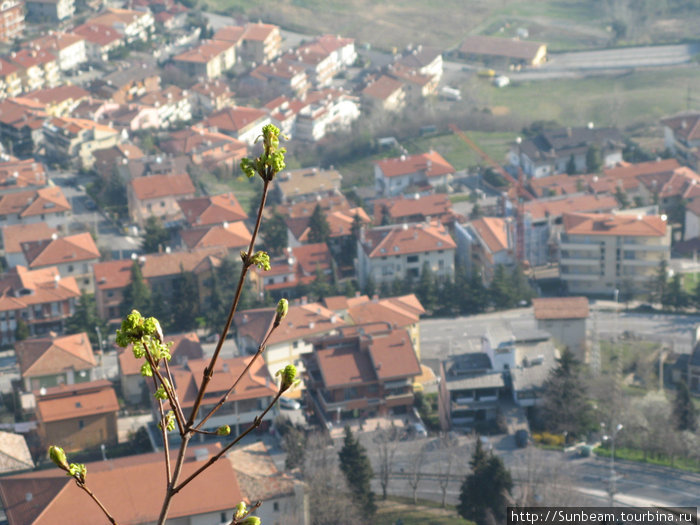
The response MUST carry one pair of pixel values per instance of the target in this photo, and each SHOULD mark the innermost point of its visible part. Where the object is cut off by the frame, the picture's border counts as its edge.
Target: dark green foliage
(274, 235)
(370, 287)
(319, 230)
(85, 319)
(565, 402)
(675, 296)
(427, 288)
(571, 166)
(476, 212)
(594, 159)
(22, 330)
(137, 296)
(494, 178)
(485, 492)
(358, 472)
(539, 126)
(622, 199)
(684, 412)
(293, 442)
(185, 302)
(155, 236)
(509, 288)
(659, 284)
(321, 286)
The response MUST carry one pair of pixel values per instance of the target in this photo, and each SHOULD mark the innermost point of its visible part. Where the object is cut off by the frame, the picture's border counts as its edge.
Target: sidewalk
(367, 425)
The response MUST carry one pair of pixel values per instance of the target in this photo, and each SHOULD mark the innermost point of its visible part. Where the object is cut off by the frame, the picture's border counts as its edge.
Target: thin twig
(255, 507)
(168, 387)
(223, 399)
(170, 492)
(164, 433)
(177, 408)
(209, 370)
(212, 460)
(99, 503)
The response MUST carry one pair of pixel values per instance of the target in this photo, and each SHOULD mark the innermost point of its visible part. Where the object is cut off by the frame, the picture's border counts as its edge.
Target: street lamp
(612, 460)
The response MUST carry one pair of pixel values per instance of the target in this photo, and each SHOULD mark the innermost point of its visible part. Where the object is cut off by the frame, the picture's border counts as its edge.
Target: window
(276, 506)
(70, 268)
(162, 204)
(81, 423)
(412, 259)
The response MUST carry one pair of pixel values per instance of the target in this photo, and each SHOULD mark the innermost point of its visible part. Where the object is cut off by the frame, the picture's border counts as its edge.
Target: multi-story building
(484, 244)
(307, 184)
(100, 40)
(12, 238)
(69, 48)
(365, 370)
(260, 42)
(682, 136)
(47, 205)
(134, 25)
(157, 196)
(209, 60)
(565, 319)
(421, 172)
(384, 94)
(11, 20)
(388, 253)
(10, 79)
(242, 123)
(327, 111)
(38, 68)
(40, 11)
(74, 139)
(39, 298)
(601, 253)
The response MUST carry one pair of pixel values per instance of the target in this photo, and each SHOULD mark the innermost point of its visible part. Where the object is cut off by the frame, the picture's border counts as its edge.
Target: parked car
(417, 430)
(289, 404)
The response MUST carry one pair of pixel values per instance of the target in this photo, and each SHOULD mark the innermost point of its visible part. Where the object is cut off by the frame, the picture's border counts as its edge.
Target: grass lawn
(640, 96)
(390, 511)
(638, 455)
(690, 281)
(638, 357)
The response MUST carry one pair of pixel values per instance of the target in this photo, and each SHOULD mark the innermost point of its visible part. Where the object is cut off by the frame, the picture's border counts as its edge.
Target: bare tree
(544, 482)
(387, 442)
(326, 487)
(446, 462)
(415, 472)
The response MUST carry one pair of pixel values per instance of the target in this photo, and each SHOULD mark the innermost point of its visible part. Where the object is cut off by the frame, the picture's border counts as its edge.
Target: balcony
(581, 261)
(645, 247)
(580, 277)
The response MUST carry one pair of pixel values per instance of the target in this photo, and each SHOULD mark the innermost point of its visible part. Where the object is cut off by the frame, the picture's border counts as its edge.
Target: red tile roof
(604, 224)
(46, 286)
(493, 231)
(57, 41)
(560, 308)
(13, 236)
(43, 357)
(432, 164)
(426, 206)
(230, 34)
(383, 88)
(158, 186)
(98, 34)
(205, 52)
(184, 347)
(49, 252)
(259, 31)
(76, 401)
(686, 125)
(642, 168)
(207, 211)
(21, 173)
(555, 208)
(407, 238)
(234, 119)
(399, 312)
(232, 236)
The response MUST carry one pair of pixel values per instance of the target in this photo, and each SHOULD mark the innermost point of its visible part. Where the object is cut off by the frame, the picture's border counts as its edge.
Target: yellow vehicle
(486, 73)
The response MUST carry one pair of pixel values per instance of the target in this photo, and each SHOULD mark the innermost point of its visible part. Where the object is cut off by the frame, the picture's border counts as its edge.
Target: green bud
(288, 377)
(248, 167)
(160, 393)
(78, 471)
(223, 430)
(282, 310)
(146, 370)
(151, 326)
(241, 509)
(251, 520)
(58, 456)
(261, 260)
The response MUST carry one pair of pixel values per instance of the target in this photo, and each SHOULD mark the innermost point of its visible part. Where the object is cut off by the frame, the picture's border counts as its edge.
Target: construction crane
(516, 193)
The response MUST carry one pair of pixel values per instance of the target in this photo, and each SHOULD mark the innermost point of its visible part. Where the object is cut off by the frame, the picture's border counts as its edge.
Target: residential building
(253, 394)
(14, 236)
(209, 60)
(282, 496)
(21, 174)
(565, 319)
(133, 25)
(210, 95)
(388, 253)
(682, 136)
(157, 195)
(384, 94)
(278, 78)
(49, 497)
(47, 205)
(69, 48)
(73, 255)
(134, 389)
(79, 416)
(416, 85)
(56, 360)
(109, 159)
(416, 208)
(14, 453)
(172, 103)
(469, 390)
(21, 125)
(58, 101)
(325, 112)
(128, 118)
(426, 61)
(149, 165)
(692, 220)
(260, 43)
(693, 369)
(11, 20)
(364, 371)
(289, 341)
(10, 79)
(127, 84)
(503, 52)
(208, 149)
(600, 253)
(297, 267)
(160, 271)
(42, 11)
(552, 151)
(75, 139)
(233, 236)
(203, 212)
(306, 184)
(407, 173)
(323, 58)
(484, 244)
(238, 122)
(37, 68)
(100, 40)
(39, 298)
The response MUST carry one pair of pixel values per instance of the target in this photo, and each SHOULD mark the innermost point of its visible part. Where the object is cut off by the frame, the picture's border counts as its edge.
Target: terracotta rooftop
(34, 202)
(407, 238)
(259, 31)
(234, 235)
(432, 164)
(234, 119)
(493, 231)
(207, 211)
(555, 208)
(22, 173)
(98, 34)
(45, 286)
(62, 250)
(55, 496)
(75, 401)
(507, 47)
(13, 236)
(197, 140)
(642, 168)
(14, 453)
(118, 17)
(56, 41)
(7, 68)
(50, 356)
(73, 126)
(398, 208)
(26, 58)
(685, 126)
(604, 224)
(383, 88)
(157, 186)
(58, 94)
(206, 51)
(399, 312)
(257, 473)
(560, 308)
(230, 34)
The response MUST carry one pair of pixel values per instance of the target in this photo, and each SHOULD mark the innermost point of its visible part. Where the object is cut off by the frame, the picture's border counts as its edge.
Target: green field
(625, 100)
(390, 511)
